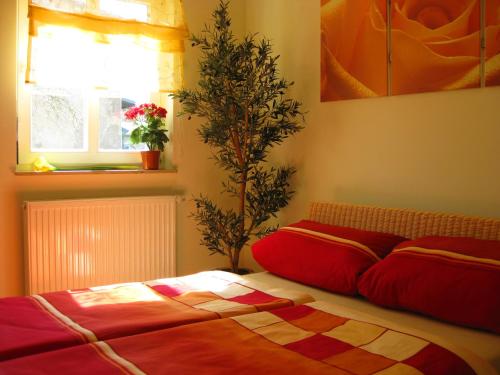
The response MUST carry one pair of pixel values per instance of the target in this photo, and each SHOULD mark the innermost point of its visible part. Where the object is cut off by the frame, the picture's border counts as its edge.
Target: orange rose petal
(492, 65)
(339, 84)
(492, 40)
(416, 68)
(470, 79)
(457, 28)
(475, 18)
(382, 9)
(467, 46)
(411, 8)
(492, 12)
(492, 71)
(340, 21)
(372, 44)
(331, 19)
(378, 15)
(324, 64)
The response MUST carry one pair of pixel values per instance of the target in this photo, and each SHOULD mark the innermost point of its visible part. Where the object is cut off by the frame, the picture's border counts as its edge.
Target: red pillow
(450, 278)
(326, 256)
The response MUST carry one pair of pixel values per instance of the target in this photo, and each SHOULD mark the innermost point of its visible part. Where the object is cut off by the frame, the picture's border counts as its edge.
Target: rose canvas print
(418, 46)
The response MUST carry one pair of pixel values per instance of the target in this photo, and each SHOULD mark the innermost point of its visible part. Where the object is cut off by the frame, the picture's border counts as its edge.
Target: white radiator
(81, 243)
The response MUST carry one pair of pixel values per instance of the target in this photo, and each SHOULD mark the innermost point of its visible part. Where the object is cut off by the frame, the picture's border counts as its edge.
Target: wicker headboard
(405, 222)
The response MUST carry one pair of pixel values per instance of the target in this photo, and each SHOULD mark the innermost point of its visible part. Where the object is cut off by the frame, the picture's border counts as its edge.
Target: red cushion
(326, 256)
(450, 278)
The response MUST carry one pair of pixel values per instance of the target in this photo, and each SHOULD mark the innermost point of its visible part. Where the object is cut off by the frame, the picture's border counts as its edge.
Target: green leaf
(136, 135)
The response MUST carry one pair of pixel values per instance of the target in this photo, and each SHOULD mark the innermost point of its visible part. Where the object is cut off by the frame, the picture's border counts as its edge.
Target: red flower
(161, 112)
(131, 113)
(150, 111)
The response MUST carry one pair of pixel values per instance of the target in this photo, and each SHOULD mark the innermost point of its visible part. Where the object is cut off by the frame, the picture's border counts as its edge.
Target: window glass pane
(114, 134)
(111, 134)
(58, 120)
(64, 5)
(124, 9)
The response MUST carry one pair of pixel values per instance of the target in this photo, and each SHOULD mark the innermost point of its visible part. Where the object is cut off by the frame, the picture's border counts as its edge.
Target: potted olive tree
(151, 130)
(246, 112)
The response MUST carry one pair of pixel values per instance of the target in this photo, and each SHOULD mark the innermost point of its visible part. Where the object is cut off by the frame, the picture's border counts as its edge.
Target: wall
(195, 171)
(435, 151)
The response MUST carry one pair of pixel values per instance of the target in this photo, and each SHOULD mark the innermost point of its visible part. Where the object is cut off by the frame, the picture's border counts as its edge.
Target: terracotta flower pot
(150, 159)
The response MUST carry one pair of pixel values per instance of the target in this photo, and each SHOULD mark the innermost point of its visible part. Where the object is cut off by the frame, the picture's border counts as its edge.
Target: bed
(310, 337)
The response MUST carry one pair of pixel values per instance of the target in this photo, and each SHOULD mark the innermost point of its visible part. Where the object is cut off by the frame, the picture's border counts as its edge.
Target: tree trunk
(234, 261)
(236, 252)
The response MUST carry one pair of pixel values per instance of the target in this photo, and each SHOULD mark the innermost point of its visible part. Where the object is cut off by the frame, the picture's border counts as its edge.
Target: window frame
(93, 155)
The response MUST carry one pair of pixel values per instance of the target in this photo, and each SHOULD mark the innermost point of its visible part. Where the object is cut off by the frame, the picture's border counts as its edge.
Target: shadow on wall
(415, 200)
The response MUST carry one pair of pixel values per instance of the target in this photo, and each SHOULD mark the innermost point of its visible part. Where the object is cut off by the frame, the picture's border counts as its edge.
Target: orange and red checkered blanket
(306, 339)
(49, 321)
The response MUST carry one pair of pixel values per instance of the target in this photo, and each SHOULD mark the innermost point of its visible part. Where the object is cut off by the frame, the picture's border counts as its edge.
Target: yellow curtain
(111, 44)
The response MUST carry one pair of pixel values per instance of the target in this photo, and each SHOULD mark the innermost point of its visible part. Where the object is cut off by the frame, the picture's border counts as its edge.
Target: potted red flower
(151, 130)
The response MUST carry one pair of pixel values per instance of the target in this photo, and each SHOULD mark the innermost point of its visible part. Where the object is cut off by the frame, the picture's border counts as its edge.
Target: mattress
(483, 344)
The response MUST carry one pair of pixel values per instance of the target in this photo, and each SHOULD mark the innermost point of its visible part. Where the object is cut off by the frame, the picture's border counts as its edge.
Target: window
(82, 64)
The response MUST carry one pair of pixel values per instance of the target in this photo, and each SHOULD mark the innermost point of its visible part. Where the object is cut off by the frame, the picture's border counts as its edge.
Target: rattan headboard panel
(405, 222)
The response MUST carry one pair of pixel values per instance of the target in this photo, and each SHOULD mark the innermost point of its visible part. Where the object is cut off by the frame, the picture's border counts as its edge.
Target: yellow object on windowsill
(42, 165)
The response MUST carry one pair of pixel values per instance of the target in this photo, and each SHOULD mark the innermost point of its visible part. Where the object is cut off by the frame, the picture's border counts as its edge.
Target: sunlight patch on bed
(118, 295)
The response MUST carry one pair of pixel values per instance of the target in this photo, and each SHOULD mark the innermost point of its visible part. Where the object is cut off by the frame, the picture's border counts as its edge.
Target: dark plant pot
(150, 159)
(241, 271)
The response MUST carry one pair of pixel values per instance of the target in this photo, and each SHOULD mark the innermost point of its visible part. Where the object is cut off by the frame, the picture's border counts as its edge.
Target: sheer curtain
(108, 44)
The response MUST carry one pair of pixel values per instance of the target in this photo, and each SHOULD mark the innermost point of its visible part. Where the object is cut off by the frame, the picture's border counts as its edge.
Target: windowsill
(27, 170)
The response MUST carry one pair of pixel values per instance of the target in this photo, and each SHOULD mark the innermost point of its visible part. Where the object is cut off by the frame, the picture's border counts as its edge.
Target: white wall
(434, 151)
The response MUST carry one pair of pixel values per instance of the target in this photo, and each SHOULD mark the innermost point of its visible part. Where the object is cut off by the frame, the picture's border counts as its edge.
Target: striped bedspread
(45, 322)
(306, 339)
